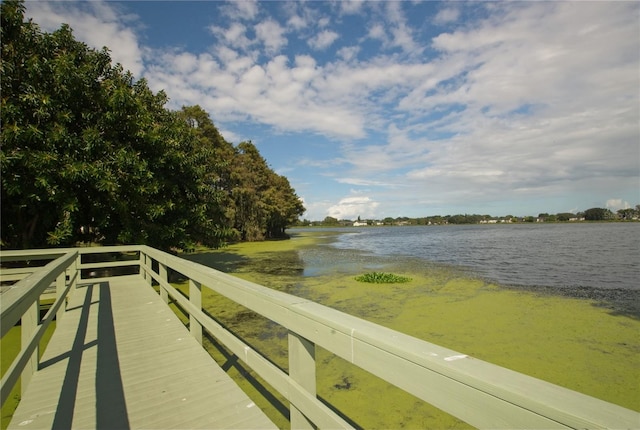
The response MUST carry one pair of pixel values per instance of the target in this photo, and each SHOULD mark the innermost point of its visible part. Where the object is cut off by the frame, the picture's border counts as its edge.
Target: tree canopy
(89, 153)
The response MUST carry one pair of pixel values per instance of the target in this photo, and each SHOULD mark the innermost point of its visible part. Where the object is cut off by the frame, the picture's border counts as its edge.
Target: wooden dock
(120, 358)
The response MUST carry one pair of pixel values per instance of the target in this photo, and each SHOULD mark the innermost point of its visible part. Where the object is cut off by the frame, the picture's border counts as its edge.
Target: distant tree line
(90, 154)
(593, 214)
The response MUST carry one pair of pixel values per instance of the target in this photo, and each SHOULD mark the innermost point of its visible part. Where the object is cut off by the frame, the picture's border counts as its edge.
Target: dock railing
(479, 393)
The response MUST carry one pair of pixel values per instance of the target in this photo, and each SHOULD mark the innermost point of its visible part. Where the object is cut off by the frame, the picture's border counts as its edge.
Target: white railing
(21, 303)
(477, 392)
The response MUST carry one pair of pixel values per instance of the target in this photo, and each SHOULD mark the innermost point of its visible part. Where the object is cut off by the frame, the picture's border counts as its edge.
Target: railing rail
(482, 394)
(20, 303)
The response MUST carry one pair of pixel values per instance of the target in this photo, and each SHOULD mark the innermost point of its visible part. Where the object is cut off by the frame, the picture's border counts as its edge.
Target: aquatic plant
(382, 278)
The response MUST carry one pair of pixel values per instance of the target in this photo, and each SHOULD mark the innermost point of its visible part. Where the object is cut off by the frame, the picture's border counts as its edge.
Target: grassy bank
(570, 342)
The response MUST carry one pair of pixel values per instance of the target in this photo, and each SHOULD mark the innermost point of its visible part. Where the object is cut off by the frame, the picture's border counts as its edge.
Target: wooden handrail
(21, 303)
(18, 299)
(480, 393)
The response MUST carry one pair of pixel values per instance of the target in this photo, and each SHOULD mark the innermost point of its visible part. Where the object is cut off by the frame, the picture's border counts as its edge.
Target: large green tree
(87, 152)
(265, 201)
(597, 214)
(91, 154)
(216, 170)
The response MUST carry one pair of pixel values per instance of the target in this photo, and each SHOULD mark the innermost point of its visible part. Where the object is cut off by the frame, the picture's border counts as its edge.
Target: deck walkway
(120, 358)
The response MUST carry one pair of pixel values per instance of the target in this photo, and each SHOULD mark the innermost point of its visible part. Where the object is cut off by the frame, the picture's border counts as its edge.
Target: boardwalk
(120, 358)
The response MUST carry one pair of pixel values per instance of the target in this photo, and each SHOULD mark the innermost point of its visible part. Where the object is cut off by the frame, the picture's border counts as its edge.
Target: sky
(400, 108)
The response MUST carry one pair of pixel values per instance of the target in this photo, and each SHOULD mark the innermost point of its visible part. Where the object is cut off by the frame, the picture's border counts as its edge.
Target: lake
(563, 255)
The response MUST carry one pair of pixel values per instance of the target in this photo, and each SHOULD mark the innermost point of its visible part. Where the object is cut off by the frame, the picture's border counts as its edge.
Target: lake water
(563, 255)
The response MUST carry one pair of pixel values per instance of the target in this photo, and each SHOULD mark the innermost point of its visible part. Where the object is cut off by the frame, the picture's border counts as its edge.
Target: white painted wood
(132, 364)
(147, 266)
(195, 297)
(23, 294)
(302, 369)
(318, 412)
(482, 394)
(60, 291)
(163, 272)
(10, 377)
(29, 324)
(107, 264)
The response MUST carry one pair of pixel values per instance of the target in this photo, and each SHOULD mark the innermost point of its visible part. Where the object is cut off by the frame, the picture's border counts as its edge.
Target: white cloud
(348, 53)
(98, 24)
(349, 7)
(233, 36)
(297, 22)
(271, 34)
(353, 207)
(323, 40)
(400, 30)
(323, 22)
(617, 204)
(364, 182)
(377, 31)
(447, 15)
(241, 9)
(518, 106)
(535, 99)
(300, 15)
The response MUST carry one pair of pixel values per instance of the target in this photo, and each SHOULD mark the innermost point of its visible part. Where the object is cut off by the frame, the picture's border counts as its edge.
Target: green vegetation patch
(382, 278)
(575, 343)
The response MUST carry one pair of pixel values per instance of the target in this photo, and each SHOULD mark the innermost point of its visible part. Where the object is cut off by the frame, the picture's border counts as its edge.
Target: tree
(597, 214)
(565, 216)
(90, 154)
(216, 172)
(87, 152)
(265, 201)
(50, 85)
(329, 220)
(626, 213)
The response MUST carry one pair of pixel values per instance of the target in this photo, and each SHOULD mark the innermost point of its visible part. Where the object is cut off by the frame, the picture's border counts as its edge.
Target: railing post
(147, 268)
(162, 268)
(195, 296)
(29, 324)
(61, 280)
(302, 369)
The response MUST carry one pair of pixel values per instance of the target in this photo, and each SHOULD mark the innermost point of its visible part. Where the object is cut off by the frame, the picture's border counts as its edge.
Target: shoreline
(575, 342)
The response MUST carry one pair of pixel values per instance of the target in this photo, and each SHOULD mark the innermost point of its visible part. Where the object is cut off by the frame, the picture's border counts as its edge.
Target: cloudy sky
(400, 108)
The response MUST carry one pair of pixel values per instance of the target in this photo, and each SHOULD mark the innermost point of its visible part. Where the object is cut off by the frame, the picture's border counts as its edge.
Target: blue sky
(400, 108)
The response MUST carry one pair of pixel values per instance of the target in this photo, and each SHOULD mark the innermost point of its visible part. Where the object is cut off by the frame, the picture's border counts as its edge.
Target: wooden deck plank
(120, 358)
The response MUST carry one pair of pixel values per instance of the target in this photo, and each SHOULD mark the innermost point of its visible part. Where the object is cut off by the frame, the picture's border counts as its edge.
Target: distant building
(359, 223)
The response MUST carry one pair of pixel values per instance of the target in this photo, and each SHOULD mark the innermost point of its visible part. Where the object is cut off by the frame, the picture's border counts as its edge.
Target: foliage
(629, 214)
(565, 216)
(597, 214)
(265, 202)
(382, 278)
(330, 221)
(91, 154)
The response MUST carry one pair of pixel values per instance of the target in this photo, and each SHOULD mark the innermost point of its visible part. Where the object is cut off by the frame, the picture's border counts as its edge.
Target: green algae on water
(566, 341)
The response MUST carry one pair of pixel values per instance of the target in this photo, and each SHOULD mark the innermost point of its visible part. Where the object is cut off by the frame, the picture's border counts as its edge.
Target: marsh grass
(382, 278)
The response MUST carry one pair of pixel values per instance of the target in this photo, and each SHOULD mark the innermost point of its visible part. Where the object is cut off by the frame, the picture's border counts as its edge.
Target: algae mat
(575, 343)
